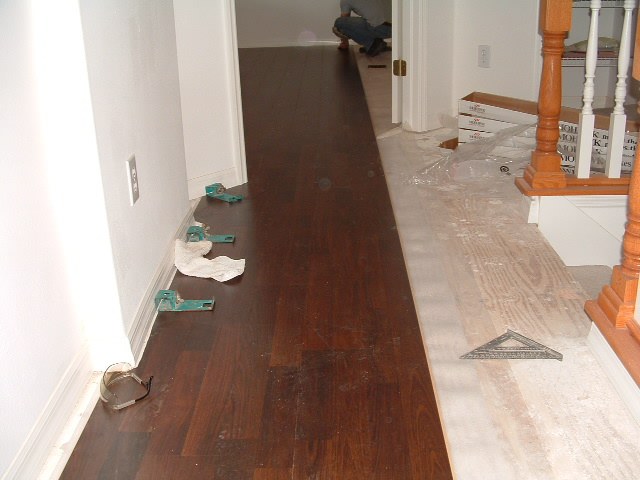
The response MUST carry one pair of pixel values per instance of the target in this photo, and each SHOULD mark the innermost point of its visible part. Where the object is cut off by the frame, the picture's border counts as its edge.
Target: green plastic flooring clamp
(170, 301)
(197, 234)
(221, 238)
(216, 190)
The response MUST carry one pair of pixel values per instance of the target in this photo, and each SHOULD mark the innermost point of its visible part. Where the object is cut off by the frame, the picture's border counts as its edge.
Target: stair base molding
(615, 349)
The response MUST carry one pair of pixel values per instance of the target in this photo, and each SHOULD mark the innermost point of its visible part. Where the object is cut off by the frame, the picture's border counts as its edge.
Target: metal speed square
(520, 347)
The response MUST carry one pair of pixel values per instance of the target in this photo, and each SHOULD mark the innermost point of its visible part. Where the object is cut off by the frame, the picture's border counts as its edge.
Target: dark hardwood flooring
(311, 365)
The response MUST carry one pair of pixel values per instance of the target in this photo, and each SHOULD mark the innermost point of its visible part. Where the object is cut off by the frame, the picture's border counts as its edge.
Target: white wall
(511, 29)
(77, 258)
(210, 92)
(56, 254)
(441, 58)
(132, 61)
(278, 23)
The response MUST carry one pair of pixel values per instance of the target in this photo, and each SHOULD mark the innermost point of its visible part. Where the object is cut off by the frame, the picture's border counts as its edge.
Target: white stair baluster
(618, 121)
(587, 118)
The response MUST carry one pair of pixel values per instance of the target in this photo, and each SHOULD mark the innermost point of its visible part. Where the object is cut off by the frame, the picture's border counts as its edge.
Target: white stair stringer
(585, 229)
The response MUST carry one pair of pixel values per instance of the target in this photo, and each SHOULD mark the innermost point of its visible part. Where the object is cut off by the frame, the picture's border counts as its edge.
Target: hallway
(322, 324)
(311, 364)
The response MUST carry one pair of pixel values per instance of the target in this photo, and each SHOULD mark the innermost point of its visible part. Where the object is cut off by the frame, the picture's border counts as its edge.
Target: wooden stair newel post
(618, 300)
(613, 312)
(544, 170)
(625, 277)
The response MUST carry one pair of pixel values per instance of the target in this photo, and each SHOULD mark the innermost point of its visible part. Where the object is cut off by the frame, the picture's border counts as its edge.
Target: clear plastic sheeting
(501, 156)
(120, 387)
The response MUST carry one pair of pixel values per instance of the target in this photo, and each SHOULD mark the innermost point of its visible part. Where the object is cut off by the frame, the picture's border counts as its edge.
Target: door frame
(409, 93)
(233, 68)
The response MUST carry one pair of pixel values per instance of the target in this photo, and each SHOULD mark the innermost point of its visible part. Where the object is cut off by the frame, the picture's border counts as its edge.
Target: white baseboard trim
(294, 43)
(530, 208)
(229, 178)
(63, 448)
(51, 441)
(34, 457)
(146, 315)
(623, 382)
(56, 433)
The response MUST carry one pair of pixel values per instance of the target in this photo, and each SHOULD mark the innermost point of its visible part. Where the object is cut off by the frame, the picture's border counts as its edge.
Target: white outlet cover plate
(134, 184)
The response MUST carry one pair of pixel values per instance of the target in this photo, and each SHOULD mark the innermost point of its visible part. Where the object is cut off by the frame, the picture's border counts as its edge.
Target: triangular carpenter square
(519, 347)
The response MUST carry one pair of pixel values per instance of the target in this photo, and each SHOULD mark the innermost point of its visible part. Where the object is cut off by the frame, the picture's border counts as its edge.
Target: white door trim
(396, 54)
(233, 70)
(413, 47)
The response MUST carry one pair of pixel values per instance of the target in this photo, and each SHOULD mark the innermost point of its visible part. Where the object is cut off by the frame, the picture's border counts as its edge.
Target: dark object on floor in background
(378, 46)
(387, 48)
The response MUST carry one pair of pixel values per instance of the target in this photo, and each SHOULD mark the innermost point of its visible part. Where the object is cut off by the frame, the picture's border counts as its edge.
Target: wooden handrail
(613, 312)
(544, 176)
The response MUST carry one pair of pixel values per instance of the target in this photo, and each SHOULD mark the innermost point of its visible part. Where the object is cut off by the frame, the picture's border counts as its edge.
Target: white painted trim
(63, 448)
(228, 178)
(623, 382)
(306, 43)
(34, 453)
(143, 322)
(233, 70)
(530, 208)
(598, 201)
(414, 108)
(567, 221)
(53, 438)
(534, 208)
(397, 7)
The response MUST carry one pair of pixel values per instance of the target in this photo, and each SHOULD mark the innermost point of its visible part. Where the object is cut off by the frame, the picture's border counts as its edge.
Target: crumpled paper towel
(190, 261)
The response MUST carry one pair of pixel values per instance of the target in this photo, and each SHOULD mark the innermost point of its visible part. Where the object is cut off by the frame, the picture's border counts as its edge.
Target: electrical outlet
(484, 56)
(134, 184)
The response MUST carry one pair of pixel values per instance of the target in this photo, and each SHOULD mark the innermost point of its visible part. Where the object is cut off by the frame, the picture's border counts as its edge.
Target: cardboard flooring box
(481, 115)
(496, 107)
(466, 136)
(522, 112)
(480, 124)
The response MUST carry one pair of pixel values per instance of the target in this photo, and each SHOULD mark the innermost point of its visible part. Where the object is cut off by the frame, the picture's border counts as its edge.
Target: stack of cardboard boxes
(481, 115)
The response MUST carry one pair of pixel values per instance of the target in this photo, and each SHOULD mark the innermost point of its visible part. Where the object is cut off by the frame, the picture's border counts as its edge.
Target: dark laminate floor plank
(277, 441)
(155, 467)
(311, 364)
(178, 403)
(272, 474)
(287, 337)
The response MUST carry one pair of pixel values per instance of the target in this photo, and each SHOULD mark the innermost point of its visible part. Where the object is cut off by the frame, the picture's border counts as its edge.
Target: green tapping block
(216, 190)
(197, 234)
(170, 301)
